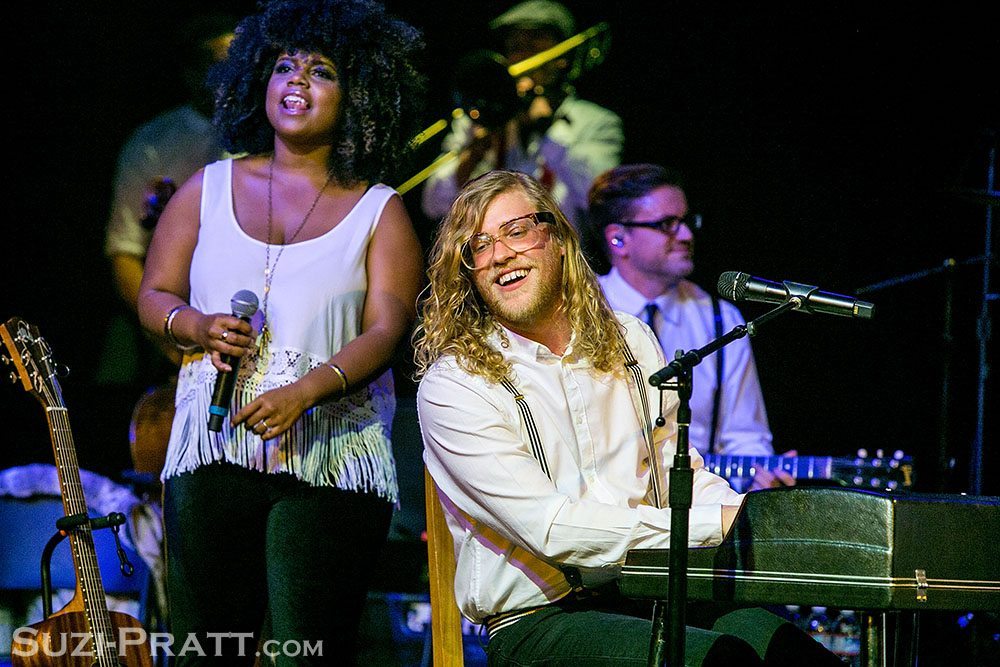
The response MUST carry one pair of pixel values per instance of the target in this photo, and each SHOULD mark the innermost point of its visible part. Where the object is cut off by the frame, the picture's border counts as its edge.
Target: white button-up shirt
(512, 526)
(685, 321)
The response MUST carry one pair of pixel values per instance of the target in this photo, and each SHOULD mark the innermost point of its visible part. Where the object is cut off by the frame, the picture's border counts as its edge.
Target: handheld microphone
(244, 305)
(739, 286)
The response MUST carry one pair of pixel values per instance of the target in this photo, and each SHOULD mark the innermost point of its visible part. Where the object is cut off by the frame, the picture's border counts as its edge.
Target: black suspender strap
(632, 366)
(572, 574)
(529, 425)
(720, 364)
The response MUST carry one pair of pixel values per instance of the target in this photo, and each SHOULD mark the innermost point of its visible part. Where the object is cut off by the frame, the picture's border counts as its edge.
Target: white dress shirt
(512, 526)
(685, 321)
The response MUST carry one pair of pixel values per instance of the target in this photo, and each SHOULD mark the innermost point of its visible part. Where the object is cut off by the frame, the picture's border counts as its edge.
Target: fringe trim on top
(344, 443)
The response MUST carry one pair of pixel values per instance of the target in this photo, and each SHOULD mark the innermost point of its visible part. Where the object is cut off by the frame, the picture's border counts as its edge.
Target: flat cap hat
(537, 14)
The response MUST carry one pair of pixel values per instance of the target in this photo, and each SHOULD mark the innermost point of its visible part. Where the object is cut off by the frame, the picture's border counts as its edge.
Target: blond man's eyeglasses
(520, 234)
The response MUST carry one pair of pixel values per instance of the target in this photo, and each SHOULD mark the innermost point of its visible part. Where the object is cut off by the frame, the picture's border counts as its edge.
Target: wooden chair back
(446, 621)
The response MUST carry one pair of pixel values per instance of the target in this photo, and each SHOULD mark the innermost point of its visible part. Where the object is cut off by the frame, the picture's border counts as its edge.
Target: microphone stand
(984, 331)
(946, 462)
(681, 487)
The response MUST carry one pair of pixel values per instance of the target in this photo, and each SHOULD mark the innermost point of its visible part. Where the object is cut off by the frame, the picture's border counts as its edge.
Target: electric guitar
(878, 473)
(83, 632)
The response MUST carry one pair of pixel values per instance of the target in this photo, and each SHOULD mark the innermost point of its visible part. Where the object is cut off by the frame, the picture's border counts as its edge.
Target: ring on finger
(225, 334)
(263, 422)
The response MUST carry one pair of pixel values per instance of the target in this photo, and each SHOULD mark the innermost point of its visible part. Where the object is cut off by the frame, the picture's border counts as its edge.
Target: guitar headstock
(33, 363)
(879, 472)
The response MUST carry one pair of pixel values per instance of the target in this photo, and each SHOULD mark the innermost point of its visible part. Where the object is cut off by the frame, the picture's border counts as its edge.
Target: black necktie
(650, 313)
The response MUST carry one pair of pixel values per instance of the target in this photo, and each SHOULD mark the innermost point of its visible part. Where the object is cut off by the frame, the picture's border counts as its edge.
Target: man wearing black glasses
(642, 214)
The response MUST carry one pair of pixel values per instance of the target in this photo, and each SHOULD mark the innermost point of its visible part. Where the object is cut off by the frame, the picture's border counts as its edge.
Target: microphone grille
(244, 303)
(733, 285)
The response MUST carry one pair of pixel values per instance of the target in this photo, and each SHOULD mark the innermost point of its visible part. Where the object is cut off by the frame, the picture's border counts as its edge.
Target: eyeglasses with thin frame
(519, 234)
(669, 225)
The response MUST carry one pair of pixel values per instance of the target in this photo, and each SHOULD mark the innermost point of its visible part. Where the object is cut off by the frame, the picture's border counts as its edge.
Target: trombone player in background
(561, 140)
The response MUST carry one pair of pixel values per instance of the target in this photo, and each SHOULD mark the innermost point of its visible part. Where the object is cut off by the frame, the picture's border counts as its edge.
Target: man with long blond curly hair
(538, 431)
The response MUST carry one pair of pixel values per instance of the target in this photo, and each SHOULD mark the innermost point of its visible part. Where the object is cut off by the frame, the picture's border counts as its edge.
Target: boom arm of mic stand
(692, 358)
(794, 303)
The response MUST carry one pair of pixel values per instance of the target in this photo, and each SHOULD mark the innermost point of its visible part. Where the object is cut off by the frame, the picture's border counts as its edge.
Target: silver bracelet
(168, 327)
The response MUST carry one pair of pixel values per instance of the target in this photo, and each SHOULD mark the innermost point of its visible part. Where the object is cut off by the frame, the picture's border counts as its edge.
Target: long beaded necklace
(264, 339)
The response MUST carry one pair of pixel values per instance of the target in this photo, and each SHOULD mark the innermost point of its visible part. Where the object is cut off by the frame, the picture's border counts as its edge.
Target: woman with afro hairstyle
(280, 504)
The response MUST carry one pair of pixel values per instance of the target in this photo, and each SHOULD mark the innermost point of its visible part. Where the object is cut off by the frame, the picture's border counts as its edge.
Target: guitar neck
(89, 583)
(890, 474)
(37, 370)
(799, 467)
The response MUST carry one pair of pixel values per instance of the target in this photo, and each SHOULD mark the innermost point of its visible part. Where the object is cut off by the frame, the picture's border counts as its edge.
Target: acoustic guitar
(84, 632)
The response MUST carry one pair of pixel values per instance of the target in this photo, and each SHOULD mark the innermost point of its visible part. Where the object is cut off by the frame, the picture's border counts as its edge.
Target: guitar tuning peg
(13, 377)
(4, 359)
(898, 455)
(862, 453)
(879, 453)
(62, 370)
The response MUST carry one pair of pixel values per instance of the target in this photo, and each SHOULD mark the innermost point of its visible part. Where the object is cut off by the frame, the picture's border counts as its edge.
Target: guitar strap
(720, 364)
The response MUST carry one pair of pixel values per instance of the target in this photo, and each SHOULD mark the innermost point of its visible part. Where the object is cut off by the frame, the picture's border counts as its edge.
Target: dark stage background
(820, 140)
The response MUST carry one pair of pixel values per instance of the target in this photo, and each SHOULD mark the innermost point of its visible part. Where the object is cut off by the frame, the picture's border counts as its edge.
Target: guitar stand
(75, 522)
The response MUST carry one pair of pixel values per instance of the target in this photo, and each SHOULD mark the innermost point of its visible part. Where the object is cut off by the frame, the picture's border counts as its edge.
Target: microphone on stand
(739, 286)
(244, 305)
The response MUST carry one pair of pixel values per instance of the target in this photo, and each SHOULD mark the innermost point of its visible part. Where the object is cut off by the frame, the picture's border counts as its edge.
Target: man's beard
(546, 296)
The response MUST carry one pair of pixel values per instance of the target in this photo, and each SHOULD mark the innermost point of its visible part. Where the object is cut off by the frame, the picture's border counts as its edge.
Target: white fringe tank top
(314, 309)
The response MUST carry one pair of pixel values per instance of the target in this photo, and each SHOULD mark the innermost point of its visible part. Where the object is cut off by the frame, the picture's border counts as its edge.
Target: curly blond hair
(455, 321)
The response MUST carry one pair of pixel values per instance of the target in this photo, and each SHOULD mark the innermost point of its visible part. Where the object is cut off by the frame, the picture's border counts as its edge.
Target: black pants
(242, 544)
(613, 631)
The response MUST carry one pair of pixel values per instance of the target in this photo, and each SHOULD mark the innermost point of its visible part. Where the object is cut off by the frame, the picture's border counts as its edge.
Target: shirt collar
(519, 347)
(632, 301)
